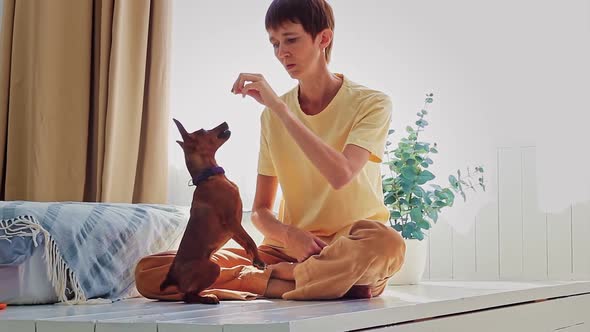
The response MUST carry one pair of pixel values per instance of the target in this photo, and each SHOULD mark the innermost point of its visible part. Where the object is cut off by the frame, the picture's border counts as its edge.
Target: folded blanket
(91, 249)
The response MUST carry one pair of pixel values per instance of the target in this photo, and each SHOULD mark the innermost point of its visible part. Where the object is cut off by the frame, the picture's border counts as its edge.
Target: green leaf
(406, 187)
(419, 192)
(409, 129)
(391, 131)
(419, 147)
(439, 204)
(396, 215)
(397, 227)
(409, 173)
(422, 123)
(389, 200)
(436, 186)
(453, 180)
(388, 181)
(417, 235)
(433, 214)
(433, 150)
(442, 195)
(416, 215)
(424, 224)
(448, 193)
(411, 162)
(424, 177)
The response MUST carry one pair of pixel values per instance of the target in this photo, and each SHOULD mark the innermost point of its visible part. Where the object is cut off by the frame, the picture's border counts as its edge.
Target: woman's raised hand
(256, 86)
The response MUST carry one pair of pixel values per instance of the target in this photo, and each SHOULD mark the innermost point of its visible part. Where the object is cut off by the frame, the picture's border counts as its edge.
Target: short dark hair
(313, 15)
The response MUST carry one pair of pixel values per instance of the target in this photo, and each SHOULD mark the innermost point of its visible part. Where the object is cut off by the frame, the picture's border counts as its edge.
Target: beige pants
(368, 253)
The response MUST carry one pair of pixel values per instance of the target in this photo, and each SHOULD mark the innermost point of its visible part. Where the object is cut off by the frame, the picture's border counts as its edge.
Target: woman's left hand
(257, 88)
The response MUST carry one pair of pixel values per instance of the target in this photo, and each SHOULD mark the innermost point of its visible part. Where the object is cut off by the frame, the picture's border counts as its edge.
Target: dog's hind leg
(170, 278)
(200, 277)
(243, 239)
(194, 297)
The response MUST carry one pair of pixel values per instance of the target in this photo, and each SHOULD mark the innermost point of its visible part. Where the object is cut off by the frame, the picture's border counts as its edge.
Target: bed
(80, 252)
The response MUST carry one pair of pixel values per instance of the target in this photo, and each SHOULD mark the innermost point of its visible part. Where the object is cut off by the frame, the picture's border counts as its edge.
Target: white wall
(504, 73)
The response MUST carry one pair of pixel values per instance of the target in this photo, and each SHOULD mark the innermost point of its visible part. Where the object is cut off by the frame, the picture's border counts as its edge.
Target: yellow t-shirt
(356, 115)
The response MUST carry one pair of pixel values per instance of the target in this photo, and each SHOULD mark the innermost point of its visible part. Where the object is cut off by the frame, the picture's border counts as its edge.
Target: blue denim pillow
(17, 250)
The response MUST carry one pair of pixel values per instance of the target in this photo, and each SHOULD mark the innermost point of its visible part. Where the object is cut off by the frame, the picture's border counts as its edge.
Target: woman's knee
(381, 239)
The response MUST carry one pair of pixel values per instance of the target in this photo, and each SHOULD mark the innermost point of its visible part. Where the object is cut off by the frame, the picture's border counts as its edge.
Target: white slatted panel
(441, 251)
(510, 212)
(464, 255)
(486, 243)
(581, 240)
(426, 275)
(535, 231)
(559, 245)
(512, 239)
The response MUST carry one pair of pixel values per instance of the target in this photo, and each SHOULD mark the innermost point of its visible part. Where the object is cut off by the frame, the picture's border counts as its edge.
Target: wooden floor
(430, 306)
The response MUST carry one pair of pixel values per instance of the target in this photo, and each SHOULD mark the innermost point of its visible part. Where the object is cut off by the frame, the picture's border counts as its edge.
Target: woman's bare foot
(358, 292)
(277, 287)
(282, 270)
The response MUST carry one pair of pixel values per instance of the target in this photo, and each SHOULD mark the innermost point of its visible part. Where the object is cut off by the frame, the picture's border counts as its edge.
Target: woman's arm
(339, 168)
(298, 243)
(262, 215)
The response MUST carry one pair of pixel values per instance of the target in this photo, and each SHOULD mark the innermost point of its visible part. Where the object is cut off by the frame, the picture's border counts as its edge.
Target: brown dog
(215, 217)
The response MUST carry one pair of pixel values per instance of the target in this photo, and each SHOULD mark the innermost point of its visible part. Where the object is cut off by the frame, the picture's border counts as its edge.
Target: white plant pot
(414, 264)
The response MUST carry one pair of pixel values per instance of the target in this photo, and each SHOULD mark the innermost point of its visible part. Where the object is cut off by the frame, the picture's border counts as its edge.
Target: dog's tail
(169, 281)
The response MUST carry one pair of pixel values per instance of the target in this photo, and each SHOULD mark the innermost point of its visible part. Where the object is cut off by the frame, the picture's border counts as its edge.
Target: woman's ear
(325, 36)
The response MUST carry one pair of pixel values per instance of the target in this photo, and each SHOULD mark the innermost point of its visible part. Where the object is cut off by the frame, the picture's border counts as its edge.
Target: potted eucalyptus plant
(413, 202)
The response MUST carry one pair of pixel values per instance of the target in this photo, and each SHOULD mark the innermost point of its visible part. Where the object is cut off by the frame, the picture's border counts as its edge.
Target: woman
(322, 142)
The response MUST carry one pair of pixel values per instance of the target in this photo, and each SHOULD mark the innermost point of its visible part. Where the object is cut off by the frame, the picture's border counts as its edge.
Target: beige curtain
(84, 100)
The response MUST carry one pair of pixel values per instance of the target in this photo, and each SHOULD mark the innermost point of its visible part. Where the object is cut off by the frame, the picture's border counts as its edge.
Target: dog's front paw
(259, 264)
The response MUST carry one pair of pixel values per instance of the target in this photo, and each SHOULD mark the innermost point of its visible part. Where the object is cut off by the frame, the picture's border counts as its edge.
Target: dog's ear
(181, 143)
(181, 129)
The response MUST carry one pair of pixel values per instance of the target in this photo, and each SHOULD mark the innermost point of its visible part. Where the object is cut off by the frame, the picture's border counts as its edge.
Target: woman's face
(296, 50)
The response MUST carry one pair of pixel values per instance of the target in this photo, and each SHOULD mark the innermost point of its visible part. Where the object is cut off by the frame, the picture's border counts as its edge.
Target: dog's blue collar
(209, 172)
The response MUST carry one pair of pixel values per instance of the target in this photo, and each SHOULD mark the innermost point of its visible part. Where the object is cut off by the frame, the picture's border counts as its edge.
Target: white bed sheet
(27, 283)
